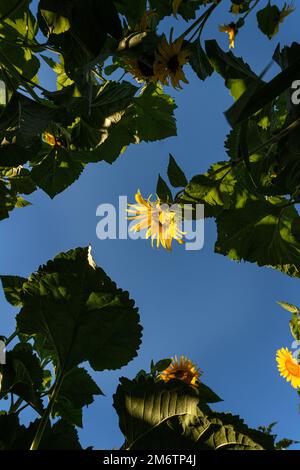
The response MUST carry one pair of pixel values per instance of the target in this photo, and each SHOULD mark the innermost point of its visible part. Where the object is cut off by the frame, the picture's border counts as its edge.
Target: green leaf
(152, 115)
(206, 395)
(80, 312)
(176, 176)
(57, 14)
(237, 74)
(12, 287)
(142, 404)
(34, 118)
(214, 189)
(289, 307)
(78, 390)
(163, 191)
(187, 9)
(160, 365)
(133, 11)
(19, 20)
(159, 415)
(260, 232)
(199, 61)
(22, 375)
(259, 94)
(86, 27)
(268, 20)
(56, 171)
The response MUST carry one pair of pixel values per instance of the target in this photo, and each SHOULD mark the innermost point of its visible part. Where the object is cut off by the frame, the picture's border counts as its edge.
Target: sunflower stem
(43, 423)
(203, 17)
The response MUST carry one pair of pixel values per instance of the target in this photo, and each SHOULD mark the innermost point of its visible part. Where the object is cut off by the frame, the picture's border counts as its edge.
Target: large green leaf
(260, 232)
(158, 415)
(57, 170)
(150, 117)
(80, 312)
(79, 29)
(142, 405)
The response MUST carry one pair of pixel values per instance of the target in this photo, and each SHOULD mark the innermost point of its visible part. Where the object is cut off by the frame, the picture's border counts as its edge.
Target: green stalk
(11, 337)
(43, 423)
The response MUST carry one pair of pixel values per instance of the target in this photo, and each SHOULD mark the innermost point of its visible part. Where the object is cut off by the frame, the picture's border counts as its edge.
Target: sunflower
(288, 367)
(184, 370)
(169, 60)
(161, 222)
(141, 69)
(230, 29)
(52, 140)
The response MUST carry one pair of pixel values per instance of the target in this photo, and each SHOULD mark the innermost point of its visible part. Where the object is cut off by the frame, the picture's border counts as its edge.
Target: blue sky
(221, 314)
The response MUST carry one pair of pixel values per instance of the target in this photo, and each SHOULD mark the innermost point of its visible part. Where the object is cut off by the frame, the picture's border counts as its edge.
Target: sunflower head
(288, 367)
(182, 369)
(231, 30)
(170, 58)
(141, 68)
(52, 140)
(162, 223)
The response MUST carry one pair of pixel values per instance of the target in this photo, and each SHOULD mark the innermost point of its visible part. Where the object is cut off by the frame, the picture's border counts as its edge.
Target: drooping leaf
(268, 19)
(158, 415)
(199, 61)
(143, 404)
(163, 191)
(176, 176)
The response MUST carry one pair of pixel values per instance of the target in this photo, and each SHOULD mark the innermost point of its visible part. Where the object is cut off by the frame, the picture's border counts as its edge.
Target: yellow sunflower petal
(288, 367)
